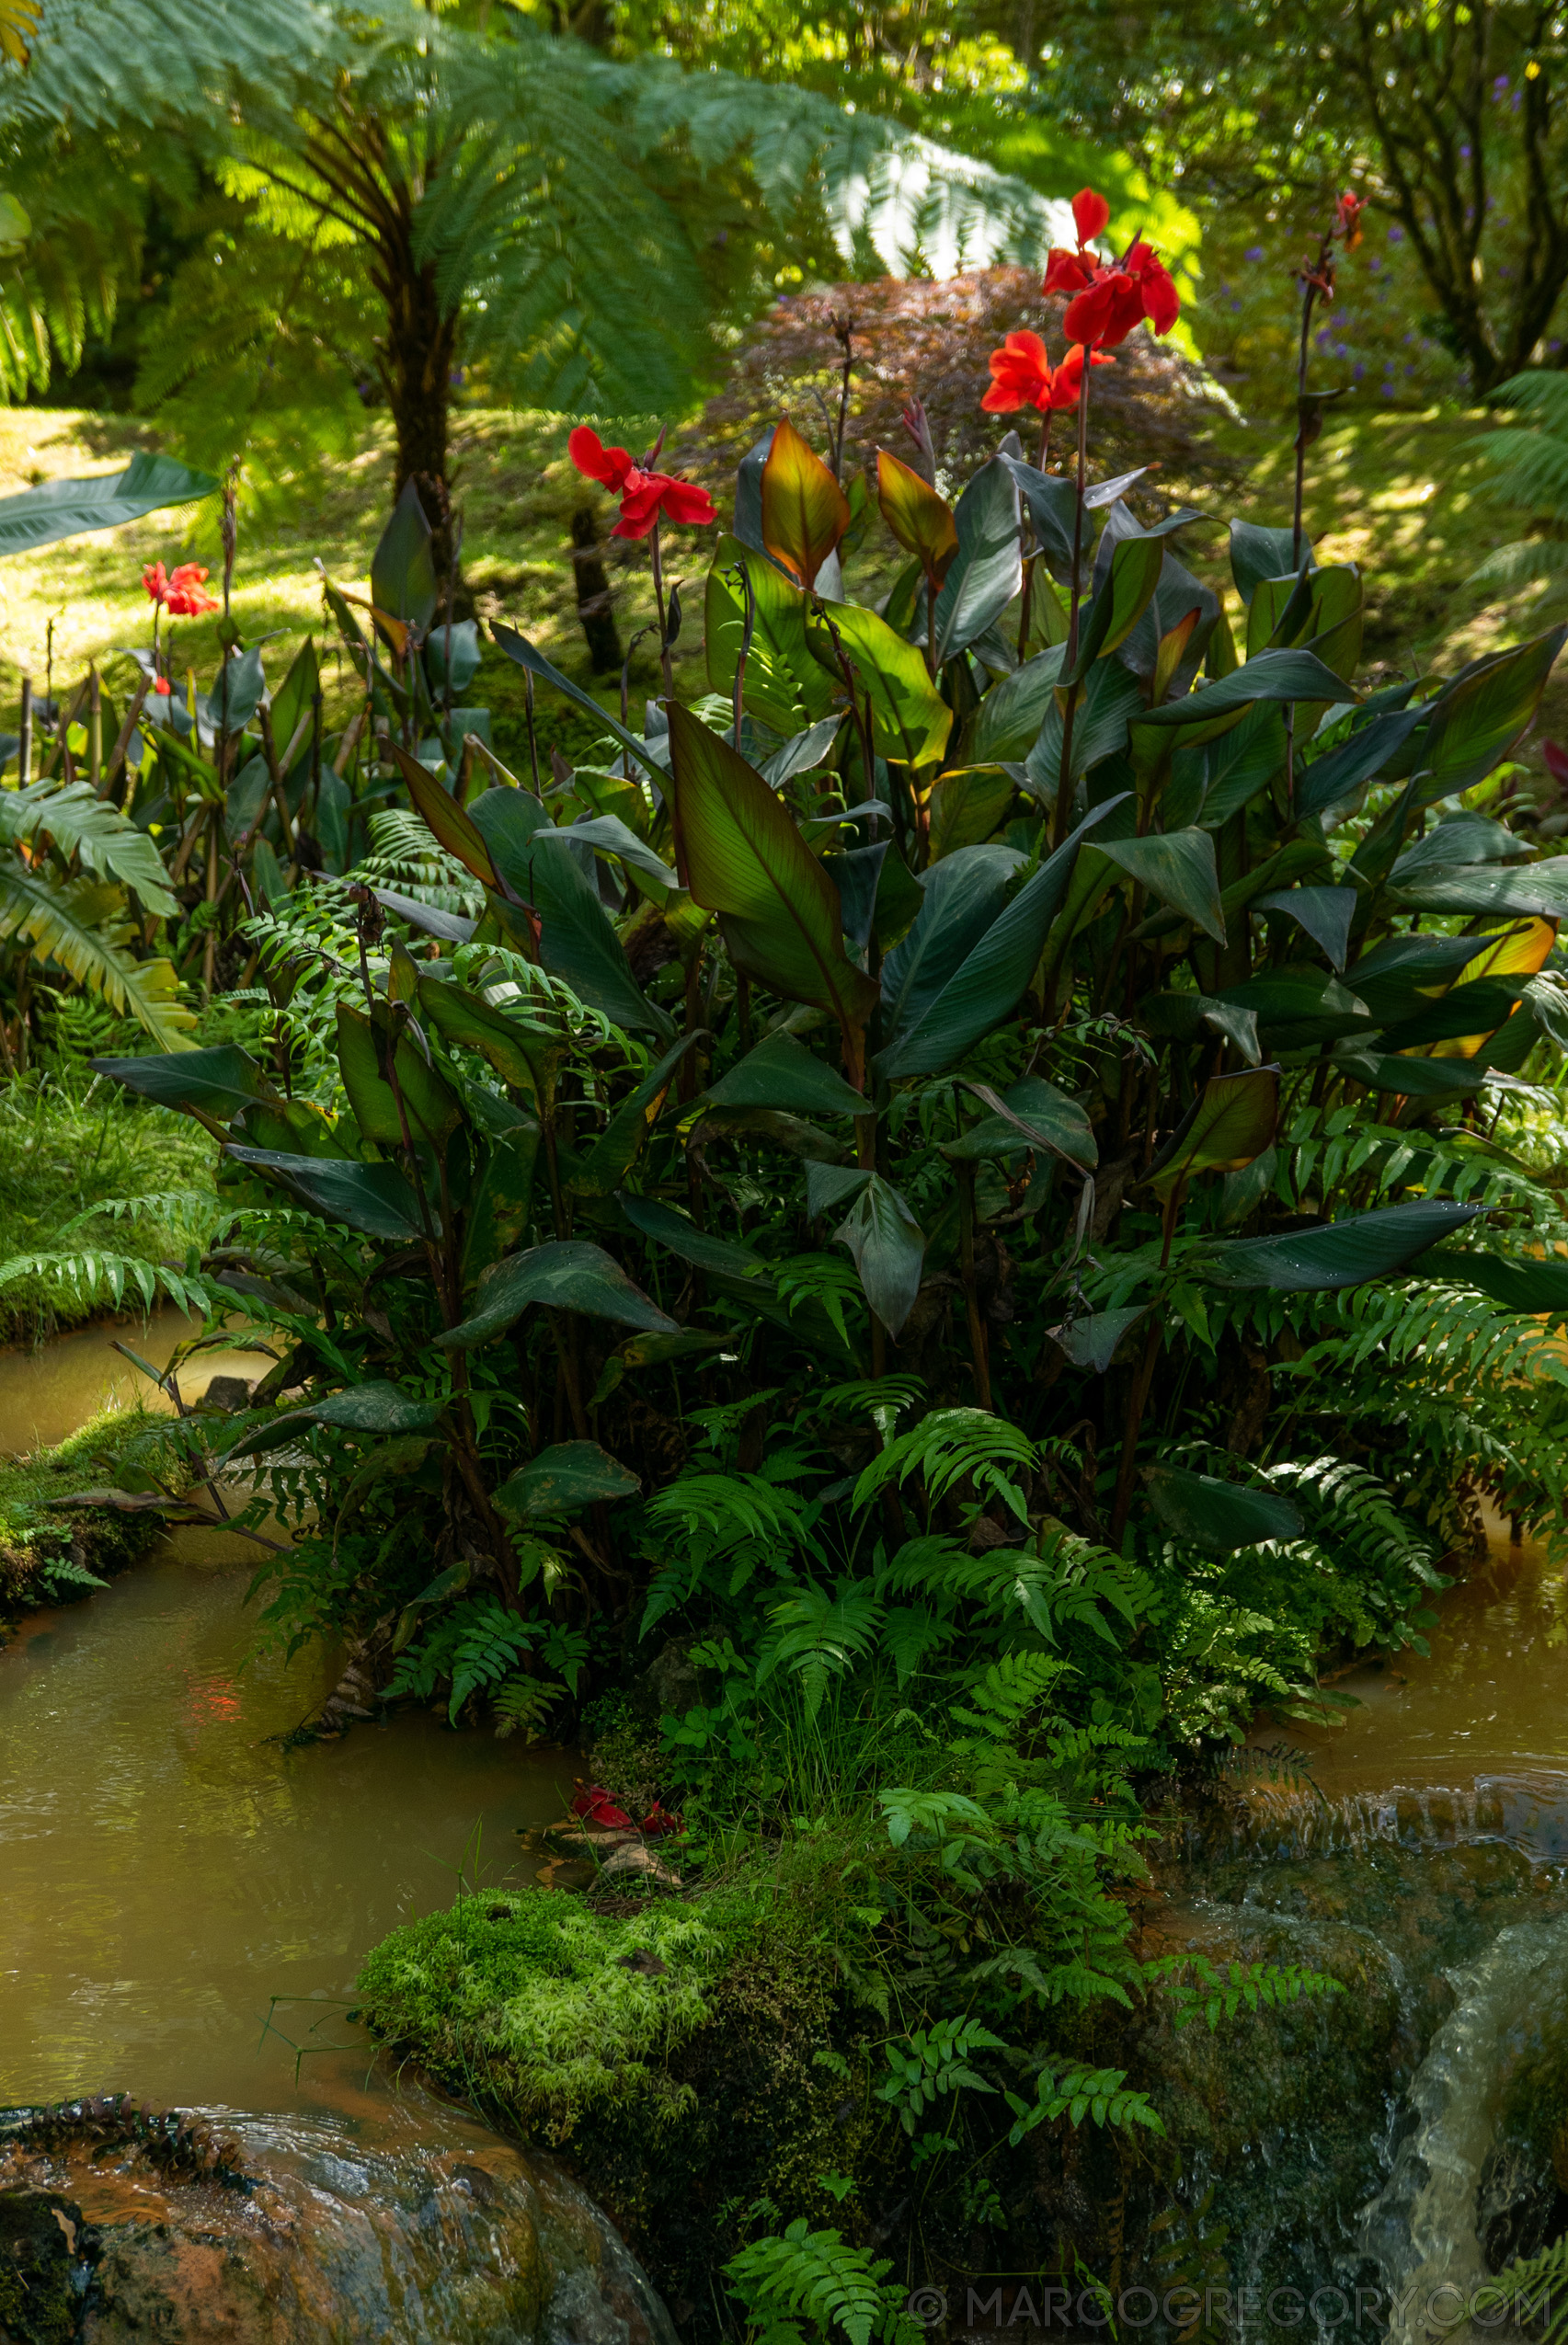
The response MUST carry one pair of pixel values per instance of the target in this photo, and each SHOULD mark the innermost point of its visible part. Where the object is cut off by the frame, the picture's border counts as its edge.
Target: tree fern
(1526, 467)
(81, 925)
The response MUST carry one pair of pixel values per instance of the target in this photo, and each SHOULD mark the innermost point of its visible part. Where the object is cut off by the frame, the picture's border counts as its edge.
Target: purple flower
(1359, 370)
(1254, 252)
(1396, 234)
(1388, 390)
(1235, 304)
(1500, 82)
(1464, 152)
(1342, 350)
(1324, 337)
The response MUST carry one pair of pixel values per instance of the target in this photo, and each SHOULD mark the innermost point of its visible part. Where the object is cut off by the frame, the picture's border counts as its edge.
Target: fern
(817, 1637)
(949, 1447)
(98, 1276)
(522, 1704)
(1099, 2094)
(478, 1643)
(817, 2277)
(932, 2064)
(1200, 1989)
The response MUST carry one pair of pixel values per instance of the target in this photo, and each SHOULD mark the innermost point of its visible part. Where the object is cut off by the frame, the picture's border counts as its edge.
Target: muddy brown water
(46, 1393)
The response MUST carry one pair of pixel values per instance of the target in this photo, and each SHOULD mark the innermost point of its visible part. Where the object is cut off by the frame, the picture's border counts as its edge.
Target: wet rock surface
(118, 2224)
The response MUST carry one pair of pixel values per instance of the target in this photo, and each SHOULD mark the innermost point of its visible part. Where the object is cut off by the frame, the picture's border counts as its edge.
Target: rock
(634, 1860)
(231, 1392)
(110, 2233)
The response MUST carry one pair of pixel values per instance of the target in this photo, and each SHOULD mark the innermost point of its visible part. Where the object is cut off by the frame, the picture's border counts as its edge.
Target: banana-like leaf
(681, 1235)
(452, 825)
(403, 575)
(1531, 1283)
(1413, 1078)
(781, 1072)
(920, 520)
(565, 1479)
(1008, 721)
(1179, 867)
(610, 835)
(1273, 675)
(60, 508)
(377, 1408)
(1033, 1113)
(1223, 1516)
(1233, 1122)
(987, 985)
(518, 647)
(431, 1109)
(889, 1246)
(1092, 1343)
(747, 860)
(1257, 553)
(82, 824)
(1120, 603)
(81, 925)
(1334, 776)
(987, 571)
(784, 686)
(220, 1080)
(910, 720)
(1483, 714)
(962, 896)
(1341, 1253)
(1540, 889)
(568, 1275)
(526, 1056)
(373, 1198)
(1325, 912)
(805, 513)
(576, 940)
(968, 807)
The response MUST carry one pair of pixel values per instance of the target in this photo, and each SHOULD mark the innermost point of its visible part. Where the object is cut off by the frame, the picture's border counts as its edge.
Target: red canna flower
(1347, 218)
(186, 594)
(1111, 297)
(1022, 376)
(162, 686)
(594, 1804)
(646, 496)
(156, 578)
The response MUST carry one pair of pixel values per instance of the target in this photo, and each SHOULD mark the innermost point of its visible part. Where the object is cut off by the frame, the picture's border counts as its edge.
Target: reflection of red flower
(1022, 376)
(645, 497)
(186, 594)
(1111, 297)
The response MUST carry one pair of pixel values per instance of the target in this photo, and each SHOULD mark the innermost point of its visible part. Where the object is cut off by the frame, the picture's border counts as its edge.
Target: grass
(1397, 491)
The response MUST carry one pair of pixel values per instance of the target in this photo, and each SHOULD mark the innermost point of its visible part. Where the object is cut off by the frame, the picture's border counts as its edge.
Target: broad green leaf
(910, 720)
(403, 577)
(987, 571)
(920, 520)
(805, 513)
(1413, 1078)
(1008, 721)
(610, 835)
(830, 1185)
(1332, 777)
(1340, 1253)
(373, 1198)
(784, 687)
(1482, 716)
(452, 825)
(220, 1080)
(987, 984)
(1120, 603)
(576, 940)
(569, 1274)
(1179, 867)
(1233, 1122)
(1092, 1343)
(376, 1408)
(888, 1247)
(518, 647)
(1258, 553)
(565, 1479)
(430, 1109)
(962, 896)
(1032, 1113)
(966, 807)
(57, 509)
(1223, 1516)
(747, 860)
(781, 1072)
(526, 1055)
(1476, 1007)
(1540, 889)
(1322, 608)
(1273, 675)
(682, 1237)
(1461, 839)
(1531, 1283)
(1325, 913)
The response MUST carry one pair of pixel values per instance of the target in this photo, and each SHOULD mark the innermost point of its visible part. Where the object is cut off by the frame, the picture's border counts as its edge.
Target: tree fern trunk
(417, 359)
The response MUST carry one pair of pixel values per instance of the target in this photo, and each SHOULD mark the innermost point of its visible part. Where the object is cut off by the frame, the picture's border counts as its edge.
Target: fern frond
(81, 924)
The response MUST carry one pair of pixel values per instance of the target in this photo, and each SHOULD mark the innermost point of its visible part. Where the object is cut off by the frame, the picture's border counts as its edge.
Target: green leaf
(373, 1198)
(431, 1109)
(1033, 1113)
(781, 1072)
(987, 571)
(610, 835)
(1540, 890)
(376, 1408)
(889, 1246)
(962, 896)
(1008, 721)
(452, 825)
(805, 513)
(518, 648)
(1223, 1516)
(1120, 603)
(910, 720)
(1092, 1343)
(1258, 553)
(566, 1478)
(682, 1237)
(1413, 1078)
(1332, 777)
(524, 1054)
(82, 925)
(80, 823)
(607, 1163)
(60, 508)
(1531, 1283)
(987, 983)
(786, 687)
(403, 577)
(1482, 715)
(1179, 867)
(747, 860)
(1273, 675)
(220, 1080)
(1233, 1122)
(569, 1274)
(1340, 1253)
(1325, 912)
(577, 939)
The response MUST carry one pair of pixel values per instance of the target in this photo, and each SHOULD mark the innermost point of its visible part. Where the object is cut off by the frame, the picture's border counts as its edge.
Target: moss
(50, 1554)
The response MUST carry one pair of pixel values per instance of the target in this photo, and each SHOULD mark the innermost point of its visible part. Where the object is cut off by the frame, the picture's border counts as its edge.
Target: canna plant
(973, 1015)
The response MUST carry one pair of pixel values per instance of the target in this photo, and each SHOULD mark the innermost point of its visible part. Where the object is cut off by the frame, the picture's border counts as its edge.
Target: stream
(184, 1904)
(184, 1901)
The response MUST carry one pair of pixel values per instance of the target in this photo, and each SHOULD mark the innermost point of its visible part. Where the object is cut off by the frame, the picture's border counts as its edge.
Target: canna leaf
(373, 1198)
(889, 1246)
(805, 513)
(569, 1274)
(565, 1479)
(747, 860)
(920, 520)
(1340, 1253)
(987, 571)
(1233, 1122)
(784, 686)
(403, 575)
(781, 1072)
(451, 825)
(1223, 1516)
(910, 720)
(1179, 867)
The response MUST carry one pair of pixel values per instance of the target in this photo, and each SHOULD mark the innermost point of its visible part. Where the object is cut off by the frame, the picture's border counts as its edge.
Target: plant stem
(663, 625)
(979, 1346)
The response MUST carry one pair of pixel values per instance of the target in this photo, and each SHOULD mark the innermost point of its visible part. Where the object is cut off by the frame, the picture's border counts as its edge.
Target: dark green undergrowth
(53, 1555)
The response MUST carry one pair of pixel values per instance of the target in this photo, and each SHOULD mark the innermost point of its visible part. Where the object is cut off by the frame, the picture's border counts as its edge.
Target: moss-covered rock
(51, 1554)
